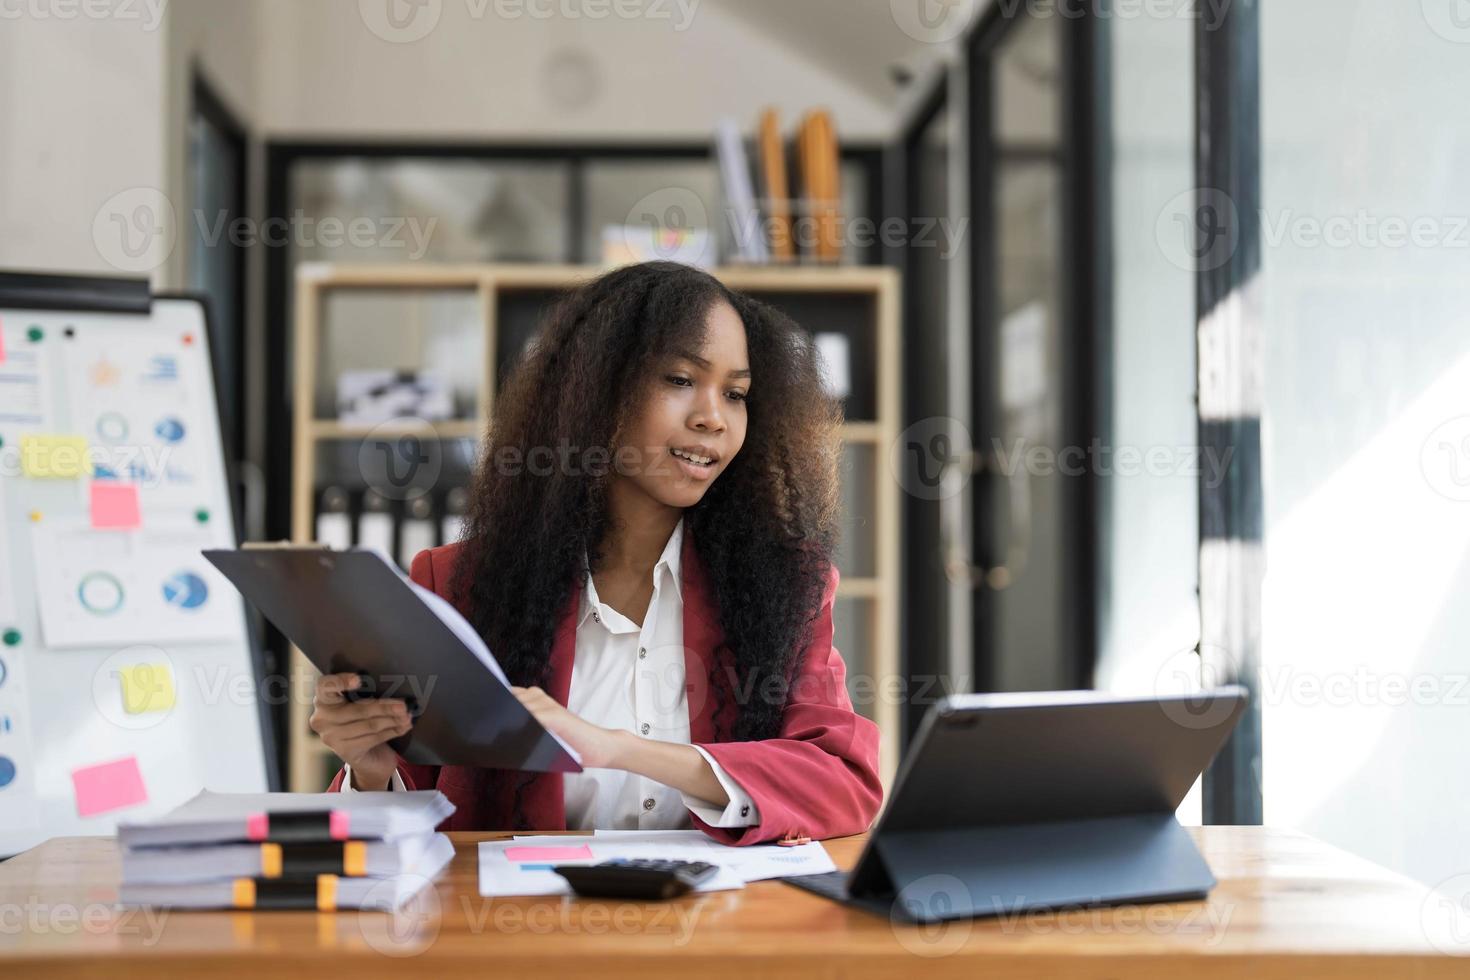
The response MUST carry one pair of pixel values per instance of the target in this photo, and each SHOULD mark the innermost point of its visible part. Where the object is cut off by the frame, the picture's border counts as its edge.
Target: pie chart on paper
(185, 590)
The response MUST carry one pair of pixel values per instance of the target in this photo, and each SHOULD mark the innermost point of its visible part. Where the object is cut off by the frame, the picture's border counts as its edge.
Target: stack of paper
(287, 850)
(523, 865)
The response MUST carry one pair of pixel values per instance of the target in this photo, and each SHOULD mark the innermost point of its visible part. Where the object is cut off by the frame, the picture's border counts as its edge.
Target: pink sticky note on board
(108, 786)
(535, 853)
(115, 506)
(2, 342)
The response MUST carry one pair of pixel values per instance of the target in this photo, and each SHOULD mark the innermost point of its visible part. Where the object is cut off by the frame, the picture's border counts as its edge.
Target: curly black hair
(764, 530)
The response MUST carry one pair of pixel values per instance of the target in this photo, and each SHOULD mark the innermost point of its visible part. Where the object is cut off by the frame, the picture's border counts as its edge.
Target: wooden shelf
(863, 432)
(874, 291)
(859, 587)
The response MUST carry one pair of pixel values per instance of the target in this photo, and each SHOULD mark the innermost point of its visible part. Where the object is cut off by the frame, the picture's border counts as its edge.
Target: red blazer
(818, 778)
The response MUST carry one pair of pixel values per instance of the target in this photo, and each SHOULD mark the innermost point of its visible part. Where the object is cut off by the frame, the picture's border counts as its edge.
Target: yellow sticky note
(146, 687)
(55, 457)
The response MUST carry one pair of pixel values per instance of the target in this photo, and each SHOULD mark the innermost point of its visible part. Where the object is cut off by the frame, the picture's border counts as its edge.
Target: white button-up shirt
(631, 677)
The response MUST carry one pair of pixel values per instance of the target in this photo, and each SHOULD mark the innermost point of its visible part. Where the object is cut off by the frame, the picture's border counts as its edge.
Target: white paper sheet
(835, 352)
(7, 569)
(115, 588)
(500, 876)
(462, 629)
(136, 402)
(25, 388)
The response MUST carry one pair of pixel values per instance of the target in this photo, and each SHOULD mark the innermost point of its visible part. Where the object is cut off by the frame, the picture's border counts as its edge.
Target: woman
(648, 555)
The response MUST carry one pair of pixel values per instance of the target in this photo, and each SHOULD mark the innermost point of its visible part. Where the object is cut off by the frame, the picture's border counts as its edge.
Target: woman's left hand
(597, 746)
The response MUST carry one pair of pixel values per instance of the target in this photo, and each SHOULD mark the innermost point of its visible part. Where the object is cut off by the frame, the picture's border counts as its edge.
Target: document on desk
(512, 867)
(523, 866)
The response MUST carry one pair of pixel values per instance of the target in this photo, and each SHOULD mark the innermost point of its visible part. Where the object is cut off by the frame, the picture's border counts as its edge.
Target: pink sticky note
(2, 343)
(108, 786)
(534, 853)
(115, 506)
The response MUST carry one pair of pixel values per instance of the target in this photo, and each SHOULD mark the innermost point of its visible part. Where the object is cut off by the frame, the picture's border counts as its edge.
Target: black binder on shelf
(1009, 803)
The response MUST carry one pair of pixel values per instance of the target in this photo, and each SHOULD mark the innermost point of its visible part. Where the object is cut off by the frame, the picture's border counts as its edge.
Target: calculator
(644, 878)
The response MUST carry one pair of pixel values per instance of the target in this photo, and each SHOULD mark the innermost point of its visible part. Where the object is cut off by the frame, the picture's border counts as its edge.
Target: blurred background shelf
(401, 484)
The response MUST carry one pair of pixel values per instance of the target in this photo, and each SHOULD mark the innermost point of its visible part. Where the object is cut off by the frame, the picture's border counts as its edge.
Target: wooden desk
(1286, 906)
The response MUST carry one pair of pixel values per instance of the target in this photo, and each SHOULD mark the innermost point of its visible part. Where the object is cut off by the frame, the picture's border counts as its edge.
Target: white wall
(93, 107)
(220, 38)
(479, 76)
(81, 120)
(1367, 460)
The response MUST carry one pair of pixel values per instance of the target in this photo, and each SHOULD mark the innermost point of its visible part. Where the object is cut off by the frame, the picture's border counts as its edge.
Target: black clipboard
(351, 612)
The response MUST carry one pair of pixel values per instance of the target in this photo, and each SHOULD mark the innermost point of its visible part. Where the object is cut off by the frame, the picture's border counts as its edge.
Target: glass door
(1031, 564)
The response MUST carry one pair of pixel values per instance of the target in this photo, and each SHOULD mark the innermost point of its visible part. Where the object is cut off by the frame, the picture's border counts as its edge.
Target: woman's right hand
(358, 731)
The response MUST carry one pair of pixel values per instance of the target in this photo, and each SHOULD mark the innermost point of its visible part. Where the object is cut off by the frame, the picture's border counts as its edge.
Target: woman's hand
(679, 766)
(358, 731)
(597, 746)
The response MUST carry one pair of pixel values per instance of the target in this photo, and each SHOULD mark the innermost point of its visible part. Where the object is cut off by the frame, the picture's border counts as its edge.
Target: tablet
(1011, 802)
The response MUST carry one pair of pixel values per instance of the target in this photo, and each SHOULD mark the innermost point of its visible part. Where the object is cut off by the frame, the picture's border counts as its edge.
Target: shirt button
(648, 803)
(642, 653)
(596, 618)
(745, 810)
(643, 728)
